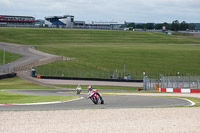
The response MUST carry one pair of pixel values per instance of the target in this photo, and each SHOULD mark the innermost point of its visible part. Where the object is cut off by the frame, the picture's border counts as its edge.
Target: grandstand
(17, 21)
(67, 21)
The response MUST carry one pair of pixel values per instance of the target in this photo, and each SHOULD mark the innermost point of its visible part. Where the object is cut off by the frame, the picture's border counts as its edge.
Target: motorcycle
(78, 89)
(95, 96)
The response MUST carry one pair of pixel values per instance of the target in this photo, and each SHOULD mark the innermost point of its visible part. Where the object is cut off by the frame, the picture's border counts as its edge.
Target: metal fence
(64, 72)
(8, 68)
(4, 69)
(180, 82)
(150, 84)
(172, 82)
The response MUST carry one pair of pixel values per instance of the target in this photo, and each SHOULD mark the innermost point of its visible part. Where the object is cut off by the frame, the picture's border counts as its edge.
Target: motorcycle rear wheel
(102, 101)
(78, 92)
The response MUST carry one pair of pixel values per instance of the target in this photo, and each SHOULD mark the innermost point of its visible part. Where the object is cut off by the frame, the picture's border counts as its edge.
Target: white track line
(192, 103)
(43, 102)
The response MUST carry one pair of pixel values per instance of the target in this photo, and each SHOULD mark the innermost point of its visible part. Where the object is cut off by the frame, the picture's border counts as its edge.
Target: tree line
(174, 26)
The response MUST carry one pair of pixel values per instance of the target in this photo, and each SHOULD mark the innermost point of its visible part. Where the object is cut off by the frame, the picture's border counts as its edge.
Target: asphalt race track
(111, 102)
(31, 55)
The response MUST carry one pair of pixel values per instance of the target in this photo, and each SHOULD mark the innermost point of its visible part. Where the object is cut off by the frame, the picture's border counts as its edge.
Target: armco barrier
(29, 66)
(9, 75)
(178, 90)
(92, 79)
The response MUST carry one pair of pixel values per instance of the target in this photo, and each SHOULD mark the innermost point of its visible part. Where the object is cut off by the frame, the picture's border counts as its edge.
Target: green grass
(9, 57)
(104, 51)
(17, 83)
(182, 34)
(13, 98)
(102, 87)
(64, 36)
(195, 100)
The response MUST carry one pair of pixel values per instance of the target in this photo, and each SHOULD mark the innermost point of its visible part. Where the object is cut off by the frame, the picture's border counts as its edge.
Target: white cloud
(117, 10)
(5, 2)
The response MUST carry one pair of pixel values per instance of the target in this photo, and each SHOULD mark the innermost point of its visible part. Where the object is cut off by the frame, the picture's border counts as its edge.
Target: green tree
(168, 26)
(158, 26)
(149, 26)
(131, 25)
(184, 26)
(192, 26)
(175, 26)
(140, 26)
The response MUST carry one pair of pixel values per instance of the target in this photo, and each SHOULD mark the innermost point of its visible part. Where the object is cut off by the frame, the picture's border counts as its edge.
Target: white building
(67, 21)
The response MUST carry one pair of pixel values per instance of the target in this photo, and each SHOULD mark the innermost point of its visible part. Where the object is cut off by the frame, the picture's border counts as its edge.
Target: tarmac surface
(111, 102)
(29, 53)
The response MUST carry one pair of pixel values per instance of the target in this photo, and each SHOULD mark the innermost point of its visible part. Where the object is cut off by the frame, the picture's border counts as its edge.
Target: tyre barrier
(178, 90)
(139, 89)
(9, 75)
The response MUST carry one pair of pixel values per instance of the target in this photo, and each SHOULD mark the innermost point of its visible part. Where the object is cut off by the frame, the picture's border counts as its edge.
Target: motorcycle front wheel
(94, 100)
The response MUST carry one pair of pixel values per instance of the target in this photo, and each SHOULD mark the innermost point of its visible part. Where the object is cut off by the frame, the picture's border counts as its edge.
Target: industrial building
(67, 21)
(17, 21)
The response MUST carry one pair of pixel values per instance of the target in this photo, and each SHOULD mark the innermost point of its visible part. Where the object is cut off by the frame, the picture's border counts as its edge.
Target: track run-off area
(127, 112)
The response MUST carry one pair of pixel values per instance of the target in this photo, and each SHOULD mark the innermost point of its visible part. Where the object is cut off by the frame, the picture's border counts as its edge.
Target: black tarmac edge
(9, 75)
(91, 79)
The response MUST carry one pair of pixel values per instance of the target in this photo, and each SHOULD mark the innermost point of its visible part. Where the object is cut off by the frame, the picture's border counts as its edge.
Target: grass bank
(104, 51)
(9, 57)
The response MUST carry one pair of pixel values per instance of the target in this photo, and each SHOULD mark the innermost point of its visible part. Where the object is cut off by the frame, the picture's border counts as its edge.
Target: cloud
(117, 10)
(5, 2)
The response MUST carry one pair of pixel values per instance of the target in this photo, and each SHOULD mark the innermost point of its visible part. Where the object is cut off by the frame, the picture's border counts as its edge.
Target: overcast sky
(107, 10)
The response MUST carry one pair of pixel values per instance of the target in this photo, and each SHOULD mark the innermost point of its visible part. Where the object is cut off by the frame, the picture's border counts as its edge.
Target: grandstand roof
(16, 16)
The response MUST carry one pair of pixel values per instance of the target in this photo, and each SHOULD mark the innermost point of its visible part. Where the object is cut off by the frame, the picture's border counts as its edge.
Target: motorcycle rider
(78, 89)
(90, 89)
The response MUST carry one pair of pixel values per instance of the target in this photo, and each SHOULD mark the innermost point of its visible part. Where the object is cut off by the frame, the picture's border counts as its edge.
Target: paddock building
(17, 21)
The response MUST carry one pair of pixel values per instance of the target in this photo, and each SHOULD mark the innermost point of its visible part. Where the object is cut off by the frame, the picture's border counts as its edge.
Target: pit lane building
(67, 21)
(17, 21)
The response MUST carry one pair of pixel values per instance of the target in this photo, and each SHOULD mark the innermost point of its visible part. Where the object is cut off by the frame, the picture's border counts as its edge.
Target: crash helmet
(89, 87)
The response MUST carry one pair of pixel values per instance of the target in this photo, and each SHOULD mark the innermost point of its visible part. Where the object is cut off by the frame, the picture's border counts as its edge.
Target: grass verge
(102, 87)
(17, 83)
(14, 98)
(193, 99)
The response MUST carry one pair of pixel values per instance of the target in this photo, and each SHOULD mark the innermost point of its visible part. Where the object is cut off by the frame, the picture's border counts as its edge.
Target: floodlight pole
(4, 56)
(124, 69)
